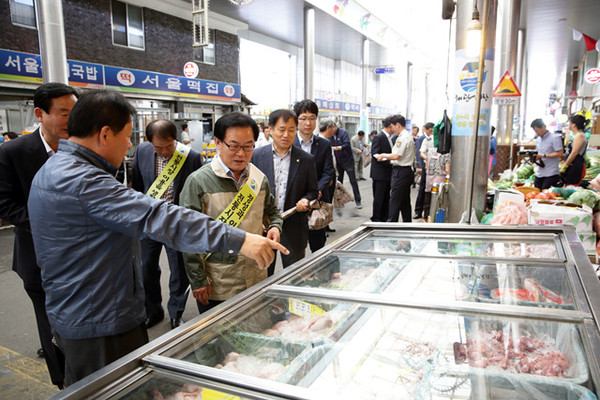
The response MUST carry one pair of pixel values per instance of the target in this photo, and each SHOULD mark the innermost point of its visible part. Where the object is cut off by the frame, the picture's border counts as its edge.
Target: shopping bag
(366, 156)
(341, 196)
(321, 216)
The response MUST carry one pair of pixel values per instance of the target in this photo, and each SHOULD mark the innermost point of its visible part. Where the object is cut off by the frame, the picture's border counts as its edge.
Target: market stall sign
(385, 70)
(592, 75)
(507, 87)
(190, 70)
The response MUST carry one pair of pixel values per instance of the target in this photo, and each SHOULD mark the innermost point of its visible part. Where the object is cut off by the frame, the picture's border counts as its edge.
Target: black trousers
(296, 247)
(316, 239)
(32, 283)
(86, 356)
(546, 182)
(402, 179)
(421, 196)
(178, 280)
(381, 201)
(349, 168)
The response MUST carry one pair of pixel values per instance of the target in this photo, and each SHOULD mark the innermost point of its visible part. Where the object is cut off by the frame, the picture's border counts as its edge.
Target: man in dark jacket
(150, 160)
(20, 159)
(381, 171)
(340, 143)
(293, 179)
(86, 228)
(307, 112)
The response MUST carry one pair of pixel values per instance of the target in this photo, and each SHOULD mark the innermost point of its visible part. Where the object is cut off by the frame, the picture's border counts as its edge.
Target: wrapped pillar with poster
(473, 97)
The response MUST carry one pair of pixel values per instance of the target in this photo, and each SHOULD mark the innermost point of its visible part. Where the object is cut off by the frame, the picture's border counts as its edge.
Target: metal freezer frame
(586, 286)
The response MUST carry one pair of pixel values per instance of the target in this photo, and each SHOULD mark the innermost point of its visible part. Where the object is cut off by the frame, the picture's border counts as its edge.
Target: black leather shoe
(153, 320)
(41, 353)
(176, 322)
(417, 216)
(328, 229)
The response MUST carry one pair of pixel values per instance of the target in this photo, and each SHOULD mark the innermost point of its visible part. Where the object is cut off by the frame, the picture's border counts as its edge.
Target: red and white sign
(190, 70)
(329, 96)
(593, 75)
(229, 90)
(125, 78)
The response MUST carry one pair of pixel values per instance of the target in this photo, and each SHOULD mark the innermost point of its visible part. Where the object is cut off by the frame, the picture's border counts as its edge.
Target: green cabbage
(584, 196)
(525, 171)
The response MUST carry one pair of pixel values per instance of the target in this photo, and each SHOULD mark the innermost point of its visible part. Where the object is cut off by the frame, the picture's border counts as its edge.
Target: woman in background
(573, 167)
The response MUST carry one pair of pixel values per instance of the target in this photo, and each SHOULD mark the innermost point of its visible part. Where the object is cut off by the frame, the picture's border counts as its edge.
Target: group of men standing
(395, 154)
(78, 230)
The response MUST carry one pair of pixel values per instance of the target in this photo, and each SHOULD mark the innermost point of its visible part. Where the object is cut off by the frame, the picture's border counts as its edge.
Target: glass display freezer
(393, 311)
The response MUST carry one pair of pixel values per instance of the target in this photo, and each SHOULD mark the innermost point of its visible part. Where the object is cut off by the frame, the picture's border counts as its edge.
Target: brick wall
(88, 36)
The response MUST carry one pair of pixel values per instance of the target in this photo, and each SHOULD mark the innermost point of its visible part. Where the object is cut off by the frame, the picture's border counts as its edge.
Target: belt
(401, 166)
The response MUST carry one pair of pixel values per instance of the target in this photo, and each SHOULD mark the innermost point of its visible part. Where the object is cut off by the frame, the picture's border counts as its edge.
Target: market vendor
(550, 150)
(573, 168)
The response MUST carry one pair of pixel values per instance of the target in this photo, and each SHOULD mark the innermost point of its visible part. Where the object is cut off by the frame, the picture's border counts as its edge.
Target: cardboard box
(555, 212)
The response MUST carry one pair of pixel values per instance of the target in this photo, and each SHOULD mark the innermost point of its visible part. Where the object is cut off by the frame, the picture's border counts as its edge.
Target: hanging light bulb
(474, 34)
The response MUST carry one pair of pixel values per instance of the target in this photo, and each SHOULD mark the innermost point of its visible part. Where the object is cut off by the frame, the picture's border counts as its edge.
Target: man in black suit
(293, 178)
(307, 112)
(20, 159)
(381, 172)
(149, 161)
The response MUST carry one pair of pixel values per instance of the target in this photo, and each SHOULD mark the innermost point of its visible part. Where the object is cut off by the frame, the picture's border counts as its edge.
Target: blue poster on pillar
(465, 98)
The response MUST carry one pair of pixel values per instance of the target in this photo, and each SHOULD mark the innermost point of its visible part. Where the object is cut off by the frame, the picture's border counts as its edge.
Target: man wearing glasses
(235, 192)
(307, 111)
(293, 178)
(152, 162)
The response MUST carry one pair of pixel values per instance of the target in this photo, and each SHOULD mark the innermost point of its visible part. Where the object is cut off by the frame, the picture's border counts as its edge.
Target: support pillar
(364, 109)
(309, 53)
(471, 141)
(51, 34)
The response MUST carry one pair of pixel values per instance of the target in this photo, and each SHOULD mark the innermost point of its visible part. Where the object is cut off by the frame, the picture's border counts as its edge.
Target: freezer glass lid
(342, 350)
(462, 245)
(164, 385)
(440, 280)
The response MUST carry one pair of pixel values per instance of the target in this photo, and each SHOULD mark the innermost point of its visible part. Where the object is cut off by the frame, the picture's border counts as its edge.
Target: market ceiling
(550, 48)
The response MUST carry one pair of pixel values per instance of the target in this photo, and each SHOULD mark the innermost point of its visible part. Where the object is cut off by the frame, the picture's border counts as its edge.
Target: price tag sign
(303, 309)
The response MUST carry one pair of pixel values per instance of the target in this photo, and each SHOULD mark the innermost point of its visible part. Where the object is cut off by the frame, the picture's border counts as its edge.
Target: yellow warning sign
(507, 87)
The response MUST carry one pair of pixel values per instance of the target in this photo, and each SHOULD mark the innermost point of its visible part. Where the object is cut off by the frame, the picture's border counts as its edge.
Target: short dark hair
(538, 123)
(387, 121)
(283, 114)
(326, 123)
(234, 119)
(579, 120)
(306, 106)
(373, 132)
(161, 128)
(184, 127)
(361, 133)
(415, 127)
(96, 109)
(11, 135)
(398, 119)
(43, 95)
(428, 125)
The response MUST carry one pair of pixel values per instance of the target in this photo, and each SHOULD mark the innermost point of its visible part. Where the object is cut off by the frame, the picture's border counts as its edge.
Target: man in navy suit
(381, 171)
(293, 179)
(20, 159)
(340, 143)
(307, 112)
(149, 161)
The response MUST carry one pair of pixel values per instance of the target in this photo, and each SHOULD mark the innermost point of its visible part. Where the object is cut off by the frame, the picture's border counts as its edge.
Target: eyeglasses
(236, 147)
(309, 119)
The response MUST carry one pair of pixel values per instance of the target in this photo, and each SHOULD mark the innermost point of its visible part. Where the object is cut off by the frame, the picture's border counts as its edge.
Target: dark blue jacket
(418, 142)
(86, 228)
(343, 156)
(321, 151)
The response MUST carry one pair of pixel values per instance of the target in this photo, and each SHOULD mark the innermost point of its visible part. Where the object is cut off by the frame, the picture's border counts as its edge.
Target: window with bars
(127, 25)
(22, 12)
(206, 54)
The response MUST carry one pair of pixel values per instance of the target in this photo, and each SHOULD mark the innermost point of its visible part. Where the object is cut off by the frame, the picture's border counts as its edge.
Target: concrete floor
(24, 376)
